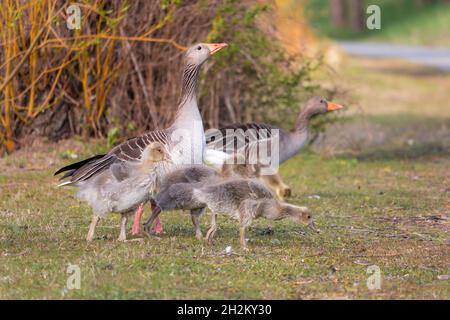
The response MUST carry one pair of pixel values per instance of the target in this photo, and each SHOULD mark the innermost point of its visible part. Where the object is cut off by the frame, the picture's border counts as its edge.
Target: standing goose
(290, 142)
(184, 139)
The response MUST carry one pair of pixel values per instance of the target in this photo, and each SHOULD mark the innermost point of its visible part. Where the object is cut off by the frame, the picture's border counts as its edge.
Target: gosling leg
(195, 216)
(212, 230)
(242, 238)
(94, 222)
(123, 227)
(247, 210)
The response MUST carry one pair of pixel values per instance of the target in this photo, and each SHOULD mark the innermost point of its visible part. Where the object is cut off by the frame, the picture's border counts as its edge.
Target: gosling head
(199, 53)
(298, 214)
(155, 152)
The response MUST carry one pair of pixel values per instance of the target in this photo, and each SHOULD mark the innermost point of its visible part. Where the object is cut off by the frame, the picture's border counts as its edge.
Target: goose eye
(322, 101)
(199, 48)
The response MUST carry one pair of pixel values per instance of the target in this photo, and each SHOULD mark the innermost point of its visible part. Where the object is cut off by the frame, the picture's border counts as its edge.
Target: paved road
(435, 57)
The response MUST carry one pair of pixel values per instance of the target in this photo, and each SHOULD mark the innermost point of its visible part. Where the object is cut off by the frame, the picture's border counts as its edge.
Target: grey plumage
(242, 199)
(290, 142)
(122, 188)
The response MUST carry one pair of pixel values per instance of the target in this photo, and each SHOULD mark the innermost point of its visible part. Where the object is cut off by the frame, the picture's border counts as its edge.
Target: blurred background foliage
(419, 22)
(120, 73)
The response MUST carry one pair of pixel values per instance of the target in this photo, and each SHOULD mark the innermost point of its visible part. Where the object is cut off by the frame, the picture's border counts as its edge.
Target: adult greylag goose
(290, 143)
(242, 199)
(184, 139)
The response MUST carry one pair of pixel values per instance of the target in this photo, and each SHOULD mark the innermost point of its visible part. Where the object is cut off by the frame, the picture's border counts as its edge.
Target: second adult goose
(290, 142)
(184, 139)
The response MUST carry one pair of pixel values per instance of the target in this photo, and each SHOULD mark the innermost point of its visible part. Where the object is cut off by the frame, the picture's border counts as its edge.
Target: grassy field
(402, 21)
(377, 184)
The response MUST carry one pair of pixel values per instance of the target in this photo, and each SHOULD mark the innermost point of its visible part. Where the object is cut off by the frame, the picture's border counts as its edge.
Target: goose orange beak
(214, 47)
(333, 106)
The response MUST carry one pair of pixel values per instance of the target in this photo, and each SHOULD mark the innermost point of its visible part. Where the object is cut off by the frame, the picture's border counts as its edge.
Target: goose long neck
(296, 139)
(302, 122)
(188, 99)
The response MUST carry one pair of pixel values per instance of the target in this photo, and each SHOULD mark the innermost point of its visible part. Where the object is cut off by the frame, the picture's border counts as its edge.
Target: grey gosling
(242, 199)
(202, 175)
(123, 187)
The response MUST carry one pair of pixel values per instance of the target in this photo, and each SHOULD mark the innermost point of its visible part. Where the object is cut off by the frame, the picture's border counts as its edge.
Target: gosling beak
(214, 47)
(333, 106)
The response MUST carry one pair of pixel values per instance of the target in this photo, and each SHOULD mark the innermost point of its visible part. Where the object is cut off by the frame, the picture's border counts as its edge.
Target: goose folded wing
(235, 136)
(127, 152)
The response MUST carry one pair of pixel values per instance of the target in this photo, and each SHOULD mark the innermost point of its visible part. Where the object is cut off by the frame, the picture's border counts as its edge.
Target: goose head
(319, 105)
(314, 106)
(199, 53)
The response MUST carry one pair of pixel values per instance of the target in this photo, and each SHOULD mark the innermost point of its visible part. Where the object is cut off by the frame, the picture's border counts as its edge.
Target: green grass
(369, 212)
(402, 21)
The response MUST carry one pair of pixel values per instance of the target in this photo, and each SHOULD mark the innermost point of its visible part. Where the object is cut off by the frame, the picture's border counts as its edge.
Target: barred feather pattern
(129, 151)
(222, 141)
(253, 136)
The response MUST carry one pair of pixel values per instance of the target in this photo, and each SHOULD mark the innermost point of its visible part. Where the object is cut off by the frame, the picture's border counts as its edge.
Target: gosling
(123, 187)
(201, 175)
(242, 199)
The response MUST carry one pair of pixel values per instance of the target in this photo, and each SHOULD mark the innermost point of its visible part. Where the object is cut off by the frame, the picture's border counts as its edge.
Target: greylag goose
(242, 199)
(124, 186)
(290, 143)
(245, 139)
(184, 139)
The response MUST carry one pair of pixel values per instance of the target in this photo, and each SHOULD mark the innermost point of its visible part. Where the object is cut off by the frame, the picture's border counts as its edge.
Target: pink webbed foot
(158, 229)
(136, 229)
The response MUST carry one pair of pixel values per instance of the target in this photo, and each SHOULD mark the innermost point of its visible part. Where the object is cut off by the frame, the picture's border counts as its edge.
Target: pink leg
(158, 229)
(137, 221)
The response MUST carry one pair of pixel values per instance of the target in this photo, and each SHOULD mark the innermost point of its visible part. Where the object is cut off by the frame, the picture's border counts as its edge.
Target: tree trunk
(337, 11)
(356, 15)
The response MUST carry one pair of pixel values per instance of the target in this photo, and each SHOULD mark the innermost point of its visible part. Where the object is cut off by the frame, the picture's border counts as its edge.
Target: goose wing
(125, 153)
(237, 135)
